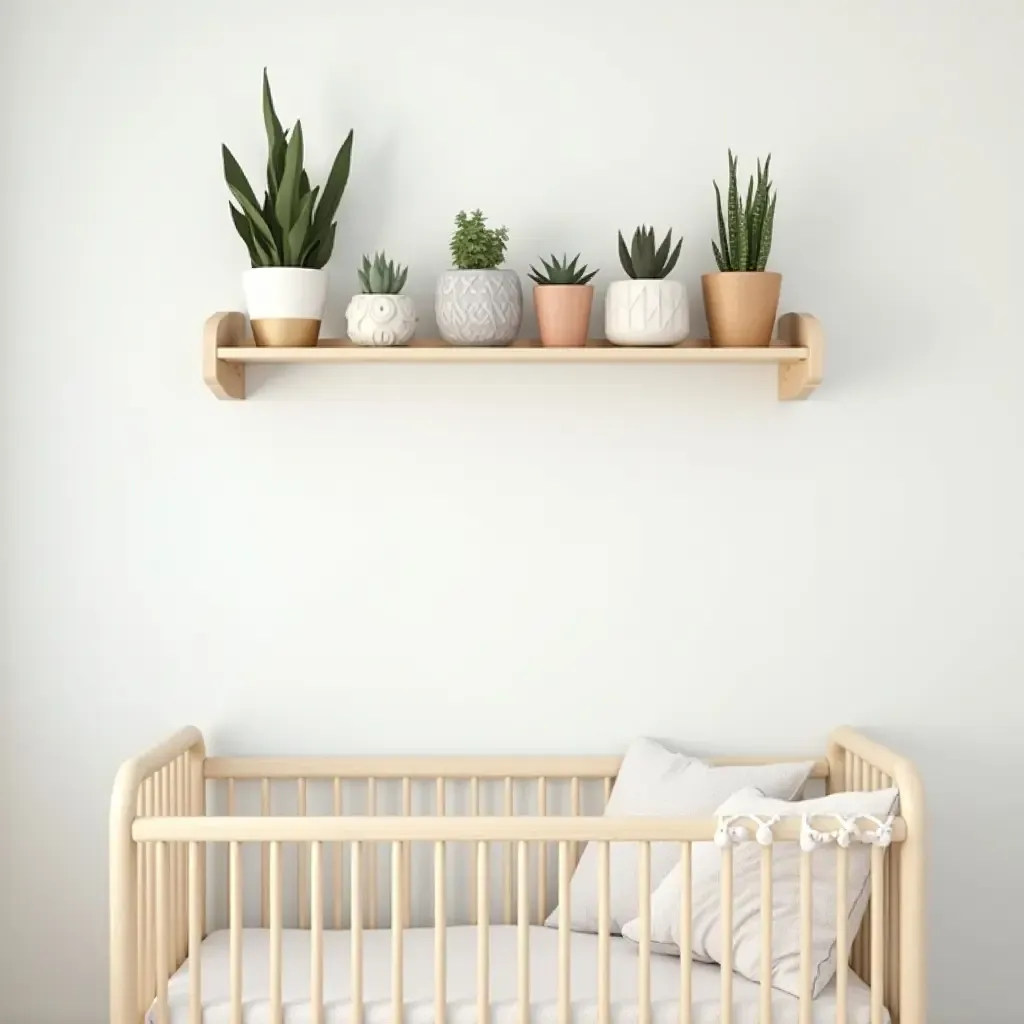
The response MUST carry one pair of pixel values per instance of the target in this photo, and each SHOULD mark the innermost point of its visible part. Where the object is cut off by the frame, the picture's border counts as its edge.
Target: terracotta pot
(741, 307)
(563, 313)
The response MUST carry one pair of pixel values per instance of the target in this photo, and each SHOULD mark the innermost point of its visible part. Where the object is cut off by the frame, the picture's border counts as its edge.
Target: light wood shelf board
(797, 354)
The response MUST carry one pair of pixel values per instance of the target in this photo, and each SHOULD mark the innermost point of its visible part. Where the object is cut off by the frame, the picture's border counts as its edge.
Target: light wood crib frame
(165, 842)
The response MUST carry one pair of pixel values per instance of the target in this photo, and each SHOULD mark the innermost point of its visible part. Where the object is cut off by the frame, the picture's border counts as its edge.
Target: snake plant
(382, 277)
(561, 273)
(745, 239)
(642, 260)
(290, 228)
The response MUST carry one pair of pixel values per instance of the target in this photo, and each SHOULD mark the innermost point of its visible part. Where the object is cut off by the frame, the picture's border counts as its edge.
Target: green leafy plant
(561, 273)
(643, 260)
(382, 277)
(475, 246)
(290, 228)
(745, 240)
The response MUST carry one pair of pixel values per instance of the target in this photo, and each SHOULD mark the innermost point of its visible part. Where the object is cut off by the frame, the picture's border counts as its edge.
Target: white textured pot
(285, 305)
(651, 312)
(479, 307)
(381, 319)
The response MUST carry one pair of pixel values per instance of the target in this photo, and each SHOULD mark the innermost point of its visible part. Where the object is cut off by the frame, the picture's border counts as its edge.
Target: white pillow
(654, 782)
(746, 946)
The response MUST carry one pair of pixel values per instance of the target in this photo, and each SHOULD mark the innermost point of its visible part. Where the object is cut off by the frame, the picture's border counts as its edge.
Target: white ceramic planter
(479, 307)
(381, 319)
(285, 304)
(652, 312)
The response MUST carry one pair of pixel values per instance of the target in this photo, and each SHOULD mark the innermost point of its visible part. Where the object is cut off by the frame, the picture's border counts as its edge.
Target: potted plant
(563, 296)
(380, 315)
(742, 300)
(647, 309)
(477, 303)
(289, 236)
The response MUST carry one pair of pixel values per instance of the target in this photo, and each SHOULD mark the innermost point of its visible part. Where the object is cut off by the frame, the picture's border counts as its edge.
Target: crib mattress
(461, 963)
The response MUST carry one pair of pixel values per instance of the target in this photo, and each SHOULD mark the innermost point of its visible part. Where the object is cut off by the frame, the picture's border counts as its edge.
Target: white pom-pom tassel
(722, 837)
(844, 837)
(764, 834)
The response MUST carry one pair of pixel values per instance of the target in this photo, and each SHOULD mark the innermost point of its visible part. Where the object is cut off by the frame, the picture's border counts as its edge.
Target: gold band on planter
(286, 332)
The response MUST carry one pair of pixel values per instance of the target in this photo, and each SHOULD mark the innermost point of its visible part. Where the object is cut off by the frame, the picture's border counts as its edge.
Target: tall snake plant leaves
(745, 234)
(294, 226)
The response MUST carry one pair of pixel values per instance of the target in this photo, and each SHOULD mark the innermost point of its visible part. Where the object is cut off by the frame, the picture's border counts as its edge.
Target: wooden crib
(340, 847)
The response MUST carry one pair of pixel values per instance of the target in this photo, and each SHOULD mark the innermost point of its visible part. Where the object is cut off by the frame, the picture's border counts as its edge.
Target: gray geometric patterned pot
(479, 307)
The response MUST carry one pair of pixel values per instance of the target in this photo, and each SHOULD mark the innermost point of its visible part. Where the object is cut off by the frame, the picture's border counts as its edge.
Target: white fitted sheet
(419, 981)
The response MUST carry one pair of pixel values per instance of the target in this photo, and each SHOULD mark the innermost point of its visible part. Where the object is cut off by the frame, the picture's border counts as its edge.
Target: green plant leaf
(735, 243)
(624, 257)
(636, 251)
(295, 242)
(243, 229)
(402, 278)
(587, 278)
(722, 265)
(321, 251)
(286, 206)
(766, 235)
(673, 259)
(235, 176)
(255, 217)
(723, 237)
(276, 141)
(334, 188)
(536, 278)
(662, 254)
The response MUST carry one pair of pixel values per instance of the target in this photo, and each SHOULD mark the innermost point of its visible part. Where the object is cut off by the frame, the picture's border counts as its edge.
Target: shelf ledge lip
(525, 353)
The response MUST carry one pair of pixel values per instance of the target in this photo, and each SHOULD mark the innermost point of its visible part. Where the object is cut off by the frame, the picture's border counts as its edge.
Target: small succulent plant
(643, 260)
(745, 240)
(382, 276)
(561, 273)
(474, 246)
(290, 228)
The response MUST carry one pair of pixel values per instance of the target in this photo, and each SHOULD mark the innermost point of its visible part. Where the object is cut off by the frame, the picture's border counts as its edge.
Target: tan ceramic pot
(741, 307)
(563, 313)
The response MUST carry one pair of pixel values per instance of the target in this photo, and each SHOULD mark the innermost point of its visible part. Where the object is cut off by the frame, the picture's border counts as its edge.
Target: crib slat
(276, 926)
(564, 936)
(337, 888)
(574, 806)
(474, 810)
(726, 920)
(397, 933)
(507, 870)
(302, 862)
(523, 932)
(406, 857)
(542, 860)
(235, 924)
(644, 894)
(171, 779)
(195, 937)
(877, 932)
(766, 935)
(440, 937)
(685, 933)
(264, 857)
(483, 937)
(805, 938)
(183, 790)
(371, 854)
(232, 810)
(607, 789)
(842, 935)
(316, 938)
(603, 933)
(162, 923)
(148, 925)
(356, 889)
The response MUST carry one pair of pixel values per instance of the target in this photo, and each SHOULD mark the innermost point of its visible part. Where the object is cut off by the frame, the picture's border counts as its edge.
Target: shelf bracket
(798, 380)
(223, 330)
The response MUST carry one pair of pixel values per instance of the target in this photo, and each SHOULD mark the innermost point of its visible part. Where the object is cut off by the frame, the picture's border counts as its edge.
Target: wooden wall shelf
(798, 354)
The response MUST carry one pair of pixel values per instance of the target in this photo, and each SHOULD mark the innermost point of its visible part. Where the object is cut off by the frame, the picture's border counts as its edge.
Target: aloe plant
(474, 246)
(745, 238)
(561, 273)
(294, 226)
(382, 277)
(643, 260)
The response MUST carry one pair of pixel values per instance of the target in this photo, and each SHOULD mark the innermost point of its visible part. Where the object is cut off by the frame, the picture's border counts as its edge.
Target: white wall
(523, 559)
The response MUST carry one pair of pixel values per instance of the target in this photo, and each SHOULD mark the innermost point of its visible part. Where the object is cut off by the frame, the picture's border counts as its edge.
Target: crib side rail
(164, 781)
(859, 763)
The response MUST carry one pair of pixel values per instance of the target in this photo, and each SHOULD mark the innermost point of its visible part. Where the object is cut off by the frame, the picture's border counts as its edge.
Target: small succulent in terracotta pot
(742, 300)
(563, 297)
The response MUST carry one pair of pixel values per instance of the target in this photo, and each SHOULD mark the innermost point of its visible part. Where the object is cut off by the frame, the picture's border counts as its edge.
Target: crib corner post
(197, 809)
(124, 980)
(912, 940)
(836, 767)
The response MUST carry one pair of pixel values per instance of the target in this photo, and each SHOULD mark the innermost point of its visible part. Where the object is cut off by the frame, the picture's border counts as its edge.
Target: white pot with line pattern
(646, 312)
